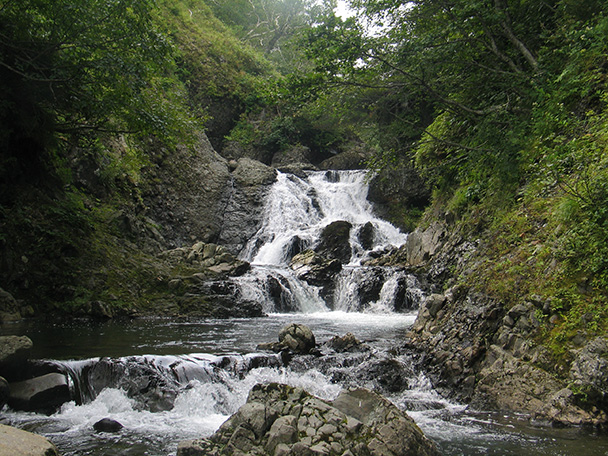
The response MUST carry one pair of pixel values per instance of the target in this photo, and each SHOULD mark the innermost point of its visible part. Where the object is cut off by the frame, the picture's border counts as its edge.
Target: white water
(300, 208)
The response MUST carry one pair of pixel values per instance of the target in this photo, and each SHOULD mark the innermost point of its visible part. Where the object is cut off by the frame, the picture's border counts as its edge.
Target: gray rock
(15, 442)
(298, 338)
(243, 213)
(45, 393)
(9, 309)
(589, 370)
(335, 241)
(280, 420)
(193, 189)
(315, 268)
(14, 350)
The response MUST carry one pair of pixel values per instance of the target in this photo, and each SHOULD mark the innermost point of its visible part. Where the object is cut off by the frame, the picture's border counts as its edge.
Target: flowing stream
(168, 381)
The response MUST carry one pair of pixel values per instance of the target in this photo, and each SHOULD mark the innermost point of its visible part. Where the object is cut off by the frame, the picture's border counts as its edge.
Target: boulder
(45, 393)
(15, 442)
(298, 338)
(335, 241)
(14, 350)
(107, 425)
(314, 268)
(280, 420)
(9, 309)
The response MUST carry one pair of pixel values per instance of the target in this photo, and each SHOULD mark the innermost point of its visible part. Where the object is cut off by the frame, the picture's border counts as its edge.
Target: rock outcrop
(15, 442)
(485, 353)
(187, 192)
(242, 215)
(281, 420)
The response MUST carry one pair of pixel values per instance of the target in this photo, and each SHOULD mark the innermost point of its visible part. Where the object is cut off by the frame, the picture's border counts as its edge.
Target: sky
(343, 10)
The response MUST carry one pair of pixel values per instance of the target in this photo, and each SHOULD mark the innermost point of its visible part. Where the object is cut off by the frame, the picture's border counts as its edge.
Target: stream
(171, 380)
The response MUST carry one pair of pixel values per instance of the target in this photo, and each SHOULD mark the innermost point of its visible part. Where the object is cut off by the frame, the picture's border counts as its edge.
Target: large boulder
(315, 268)
(335, 241)
(298, 338)
(15, 442)
(45, 393)
(14, 353)
(282, 420)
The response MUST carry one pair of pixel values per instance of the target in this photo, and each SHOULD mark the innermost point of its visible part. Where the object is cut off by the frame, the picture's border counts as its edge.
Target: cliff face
(489, 352)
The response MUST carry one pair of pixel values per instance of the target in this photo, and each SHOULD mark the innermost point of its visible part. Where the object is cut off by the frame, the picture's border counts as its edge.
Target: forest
(499, 106)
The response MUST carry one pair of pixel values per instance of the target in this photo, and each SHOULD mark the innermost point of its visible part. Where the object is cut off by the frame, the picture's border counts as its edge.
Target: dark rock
(398, 187)
(335, 241)
(107, 425)
(298, 338)
(385, 375)
(46, 393)
(16, 442)
(9, 309)
(4, 392)
(280, 420)
(366, 235)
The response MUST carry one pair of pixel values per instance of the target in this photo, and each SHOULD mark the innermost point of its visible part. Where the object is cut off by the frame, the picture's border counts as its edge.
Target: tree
(68, 67)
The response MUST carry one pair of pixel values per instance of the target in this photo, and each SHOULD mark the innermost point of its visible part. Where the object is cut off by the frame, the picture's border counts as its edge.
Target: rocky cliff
(490, 352)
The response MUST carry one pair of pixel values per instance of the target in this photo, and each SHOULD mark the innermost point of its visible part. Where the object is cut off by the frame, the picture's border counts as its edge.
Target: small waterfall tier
(307, 255)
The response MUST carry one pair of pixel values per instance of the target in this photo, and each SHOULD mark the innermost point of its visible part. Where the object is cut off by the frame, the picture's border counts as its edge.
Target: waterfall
(296, 211)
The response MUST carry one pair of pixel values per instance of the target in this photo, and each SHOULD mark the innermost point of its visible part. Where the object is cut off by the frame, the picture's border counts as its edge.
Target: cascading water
(296, 212)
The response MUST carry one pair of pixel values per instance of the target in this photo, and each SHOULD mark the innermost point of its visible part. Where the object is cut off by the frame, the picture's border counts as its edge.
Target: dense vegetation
(500, 105)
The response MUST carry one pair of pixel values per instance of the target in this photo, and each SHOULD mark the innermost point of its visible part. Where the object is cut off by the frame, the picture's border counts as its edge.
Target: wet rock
(279, 420)
(384, 375)
(15, 442)
(107, 425)
(335, 241)
(298, 338)
(314, 268)
(45, 393)
(366, 236)
(346, 343)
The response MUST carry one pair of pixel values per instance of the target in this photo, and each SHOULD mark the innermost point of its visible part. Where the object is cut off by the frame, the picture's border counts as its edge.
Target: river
(171, 380)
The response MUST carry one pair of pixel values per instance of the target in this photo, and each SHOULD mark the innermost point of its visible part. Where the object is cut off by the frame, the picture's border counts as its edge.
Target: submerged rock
(282, 420)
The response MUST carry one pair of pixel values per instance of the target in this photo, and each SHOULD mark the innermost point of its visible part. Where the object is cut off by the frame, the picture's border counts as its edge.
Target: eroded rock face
(282, 420)
(187, 193)
(242, 216)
